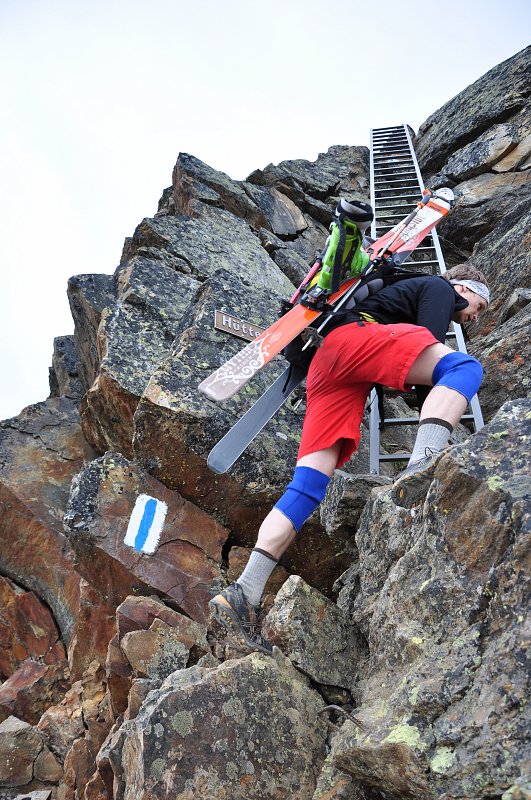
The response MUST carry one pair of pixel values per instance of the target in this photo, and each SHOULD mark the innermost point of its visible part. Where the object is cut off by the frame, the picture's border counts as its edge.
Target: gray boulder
(246, 730)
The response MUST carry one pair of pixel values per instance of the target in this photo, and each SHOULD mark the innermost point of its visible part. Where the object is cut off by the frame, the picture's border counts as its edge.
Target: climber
(396, 338)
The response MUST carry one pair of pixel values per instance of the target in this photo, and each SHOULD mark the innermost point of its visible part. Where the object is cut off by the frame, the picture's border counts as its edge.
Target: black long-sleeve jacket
(428, 300)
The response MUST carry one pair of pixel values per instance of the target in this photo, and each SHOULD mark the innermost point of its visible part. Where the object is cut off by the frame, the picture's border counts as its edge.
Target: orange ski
(403, 238)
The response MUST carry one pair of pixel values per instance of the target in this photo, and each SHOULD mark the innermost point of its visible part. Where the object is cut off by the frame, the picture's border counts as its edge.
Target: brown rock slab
(27, 629)
(41, 451)
(139, 614)
(488, 187)
(345, 499)
(79, 767)
(283, 217)
(505, 359)
(65, 378)
(194, 182)
(62, 724)
(342, 170)
(390, 768)
(47, 768)
(91, 297)
(516, 157)
(481, 154)
(24, 756)
(515, 303)
(133, 338)
(83, 713)
(497, 97)
(184, 561)
(294, 624)
(140, 688)
(29, 691)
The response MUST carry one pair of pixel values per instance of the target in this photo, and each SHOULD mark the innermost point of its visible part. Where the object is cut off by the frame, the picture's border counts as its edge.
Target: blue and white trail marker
(145, 524)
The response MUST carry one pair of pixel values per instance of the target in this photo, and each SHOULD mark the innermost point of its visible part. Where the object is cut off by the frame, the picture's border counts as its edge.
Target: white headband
(477, 287)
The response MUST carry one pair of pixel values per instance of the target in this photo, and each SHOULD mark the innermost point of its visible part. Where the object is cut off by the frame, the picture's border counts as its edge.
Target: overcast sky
(98, 97)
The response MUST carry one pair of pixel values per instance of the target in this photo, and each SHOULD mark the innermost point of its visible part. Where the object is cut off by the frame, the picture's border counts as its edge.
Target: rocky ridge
(410, 625)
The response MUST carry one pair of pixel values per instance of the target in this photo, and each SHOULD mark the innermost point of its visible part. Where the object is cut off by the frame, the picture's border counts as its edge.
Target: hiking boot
(411, 486)
(231, 609)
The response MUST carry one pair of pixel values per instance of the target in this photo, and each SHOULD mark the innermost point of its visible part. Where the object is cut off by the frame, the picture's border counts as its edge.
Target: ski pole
(425, 199)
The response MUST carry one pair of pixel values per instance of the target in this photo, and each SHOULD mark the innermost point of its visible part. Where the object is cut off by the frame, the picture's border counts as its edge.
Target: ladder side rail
(459, 337)
(375, 457)
(414, 157)
(374, 414)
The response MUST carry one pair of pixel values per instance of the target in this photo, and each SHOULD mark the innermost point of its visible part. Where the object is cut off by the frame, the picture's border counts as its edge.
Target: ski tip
(216, 465)
(205, 389)
(445, 194)
(217, 391)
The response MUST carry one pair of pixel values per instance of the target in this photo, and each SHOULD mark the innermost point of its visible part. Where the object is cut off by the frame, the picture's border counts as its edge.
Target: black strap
(380, 395)
(338, 257)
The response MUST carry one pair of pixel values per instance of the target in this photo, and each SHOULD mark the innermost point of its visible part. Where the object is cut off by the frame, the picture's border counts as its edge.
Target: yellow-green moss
(442, 760)
(406, 734)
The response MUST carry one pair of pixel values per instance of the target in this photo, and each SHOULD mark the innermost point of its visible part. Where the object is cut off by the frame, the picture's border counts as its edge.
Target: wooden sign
(238, 327)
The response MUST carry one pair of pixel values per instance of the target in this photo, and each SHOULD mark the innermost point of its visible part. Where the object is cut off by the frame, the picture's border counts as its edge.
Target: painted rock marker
(145, 524)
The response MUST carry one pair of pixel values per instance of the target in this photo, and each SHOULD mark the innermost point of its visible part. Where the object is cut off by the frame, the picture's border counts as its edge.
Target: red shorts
(351, 360)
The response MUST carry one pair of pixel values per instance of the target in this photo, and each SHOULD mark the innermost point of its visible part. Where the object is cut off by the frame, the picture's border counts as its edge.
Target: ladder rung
(400, 206)
(415, 420)
(396, 196)
(408, 183)
(385, 158)
(386, 175)
(392, 163)
(402, 151)
(407, 186)
(390, 157)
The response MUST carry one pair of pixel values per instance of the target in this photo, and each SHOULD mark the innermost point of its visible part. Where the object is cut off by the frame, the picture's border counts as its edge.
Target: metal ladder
(396, 186)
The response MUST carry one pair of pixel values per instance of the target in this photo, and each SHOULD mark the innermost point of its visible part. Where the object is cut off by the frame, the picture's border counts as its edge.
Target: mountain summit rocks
(400, 636)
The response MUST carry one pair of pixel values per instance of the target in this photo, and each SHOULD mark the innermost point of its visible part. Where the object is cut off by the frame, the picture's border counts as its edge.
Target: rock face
(442, 605)
(168, 749)
(297, 617)
(500, 96)
(183, 560)
(487, 164)
(400, 636)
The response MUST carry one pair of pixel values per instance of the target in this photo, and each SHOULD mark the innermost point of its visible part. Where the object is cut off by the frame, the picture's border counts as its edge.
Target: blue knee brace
(303, 495)
(460, 372)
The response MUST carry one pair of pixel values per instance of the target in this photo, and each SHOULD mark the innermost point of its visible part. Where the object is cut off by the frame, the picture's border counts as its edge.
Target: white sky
(98, 97)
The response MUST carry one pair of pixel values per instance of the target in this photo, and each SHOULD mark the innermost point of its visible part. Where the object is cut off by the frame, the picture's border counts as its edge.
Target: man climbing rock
(396, 338)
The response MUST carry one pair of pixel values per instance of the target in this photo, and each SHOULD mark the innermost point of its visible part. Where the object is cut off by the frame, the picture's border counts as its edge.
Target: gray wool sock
(432, 436)
(255, 575)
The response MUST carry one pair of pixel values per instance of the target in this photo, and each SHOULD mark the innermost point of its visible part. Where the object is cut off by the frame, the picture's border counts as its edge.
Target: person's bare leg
(236, 606)
(276, 531)
(441, 411)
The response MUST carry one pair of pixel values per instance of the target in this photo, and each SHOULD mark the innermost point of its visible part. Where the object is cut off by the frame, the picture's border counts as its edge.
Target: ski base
(230, 448)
